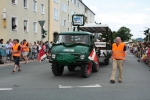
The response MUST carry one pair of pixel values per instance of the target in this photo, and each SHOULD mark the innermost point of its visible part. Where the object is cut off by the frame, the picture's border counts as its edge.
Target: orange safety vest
(118, 51)
(15, 48)
(26, 49)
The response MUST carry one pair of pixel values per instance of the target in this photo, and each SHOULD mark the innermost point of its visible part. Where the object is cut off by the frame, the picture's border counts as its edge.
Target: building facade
(62, 11)
(19, 19)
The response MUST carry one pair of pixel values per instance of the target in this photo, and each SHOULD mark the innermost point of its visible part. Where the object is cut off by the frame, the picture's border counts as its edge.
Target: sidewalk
(12, 63)
(21, 62)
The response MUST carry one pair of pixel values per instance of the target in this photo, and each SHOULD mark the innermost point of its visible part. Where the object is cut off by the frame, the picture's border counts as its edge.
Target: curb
(10, 64)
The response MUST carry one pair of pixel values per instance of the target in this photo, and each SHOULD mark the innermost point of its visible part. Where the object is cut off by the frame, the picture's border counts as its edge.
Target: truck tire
(71, 68)
(95, 67)
(86, 70)
(107, 61)
(57, 70)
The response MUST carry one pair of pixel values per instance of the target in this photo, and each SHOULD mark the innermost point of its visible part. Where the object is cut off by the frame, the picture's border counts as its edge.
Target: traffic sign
(41, 23)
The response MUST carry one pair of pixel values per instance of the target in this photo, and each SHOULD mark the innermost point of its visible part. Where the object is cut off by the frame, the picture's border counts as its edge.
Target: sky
(133, 14)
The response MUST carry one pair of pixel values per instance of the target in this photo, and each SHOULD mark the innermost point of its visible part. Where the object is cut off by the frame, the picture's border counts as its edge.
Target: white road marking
(5, 89)
(88, 86)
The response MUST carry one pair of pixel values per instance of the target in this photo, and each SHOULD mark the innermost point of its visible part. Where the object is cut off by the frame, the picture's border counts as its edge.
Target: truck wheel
(71, 68)
(107, 61)
(57, 70)
(86, 70)
(95, 67)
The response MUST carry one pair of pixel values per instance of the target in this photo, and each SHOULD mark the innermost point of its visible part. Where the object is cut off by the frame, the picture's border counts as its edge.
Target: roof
(75, 32)
(95, 28)
(87, 7)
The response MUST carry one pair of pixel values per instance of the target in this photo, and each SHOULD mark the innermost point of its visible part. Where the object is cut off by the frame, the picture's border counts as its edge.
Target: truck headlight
(82, 57)
(53, 56)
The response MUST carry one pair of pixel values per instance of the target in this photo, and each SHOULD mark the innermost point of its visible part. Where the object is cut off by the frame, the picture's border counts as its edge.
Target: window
(74, 2)
(64, 7)
(68, 17)
(14, 1)
(72, 12)
(34, 27)
(25, 25)
(55, 14)
(14, 23)
(42, 8)
(34, 5)
(68, 29)
(86, 20)
(63, 22)
(84, 39)
(56, 1)
(68, 3)
(78, 4)
(25, 4)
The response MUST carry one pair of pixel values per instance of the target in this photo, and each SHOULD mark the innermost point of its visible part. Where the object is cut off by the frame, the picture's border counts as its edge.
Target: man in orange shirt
(16, 53)
(25, 49)
(118, 57)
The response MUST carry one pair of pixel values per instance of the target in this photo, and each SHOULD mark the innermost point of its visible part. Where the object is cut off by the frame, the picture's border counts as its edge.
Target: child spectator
(34, 51)
(8, 49)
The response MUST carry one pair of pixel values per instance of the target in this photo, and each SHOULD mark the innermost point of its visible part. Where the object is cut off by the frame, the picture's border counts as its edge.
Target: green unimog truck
(77, 49)
(72, 49)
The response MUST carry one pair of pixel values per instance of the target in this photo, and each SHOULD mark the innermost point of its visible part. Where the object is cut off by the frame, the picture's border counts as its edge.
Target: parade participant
(16, 52)
(25, 50)
(118, 57)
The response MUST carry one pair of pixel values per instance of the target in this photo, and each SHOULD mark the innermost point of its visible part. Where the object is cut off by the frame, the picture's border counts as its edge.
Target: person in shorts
(16, 53)
(25, 49)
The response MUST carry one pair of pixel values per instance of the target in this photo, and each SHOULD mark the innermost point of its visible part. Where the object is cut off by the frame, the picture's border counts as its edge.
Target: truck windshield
(73, 39)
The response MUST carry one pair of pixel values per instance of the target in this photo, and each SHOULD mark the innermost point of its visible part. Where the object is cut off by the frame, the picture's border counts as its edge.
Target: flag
(41, 55)
(93, 56)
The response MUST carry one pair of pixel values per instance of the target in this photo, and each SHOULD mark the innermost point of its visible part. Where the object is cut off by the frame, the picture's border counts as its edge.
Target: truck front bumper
(77, 63)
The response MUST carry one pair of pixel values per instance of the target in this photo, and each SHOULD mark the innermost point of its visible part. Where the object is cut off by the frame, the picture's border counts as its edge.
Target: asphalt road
(36, 82)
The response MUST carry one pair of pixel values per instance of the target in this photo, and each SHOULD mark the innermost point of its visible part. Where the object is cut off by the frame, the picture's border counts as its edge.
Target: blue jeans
(34, 55)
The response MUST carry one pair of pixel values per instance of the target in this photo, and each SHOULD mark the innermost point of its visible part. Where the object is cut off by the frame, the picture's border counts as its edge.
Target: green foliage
(124, 33)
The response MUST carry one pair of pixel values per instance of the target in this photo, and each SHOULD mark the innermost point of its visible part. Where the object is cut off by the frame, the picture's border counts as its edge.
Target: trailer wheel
(107, 61)
(57, 69)
(95, 67)
(86, 70)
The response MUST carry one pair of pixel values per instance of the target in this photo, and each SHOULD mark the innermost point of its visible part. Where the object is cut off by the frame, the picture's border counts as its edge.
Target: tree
(124, 33)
